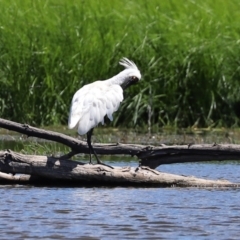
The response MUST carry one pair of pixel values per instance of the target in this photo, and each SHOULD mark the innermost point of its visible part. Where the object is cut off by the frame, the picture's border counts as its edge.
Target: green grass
(187, 50)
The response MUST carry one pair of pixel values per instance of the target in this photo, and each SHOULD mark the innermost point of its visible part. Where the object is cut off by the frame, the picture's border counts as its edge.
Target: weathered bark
(44, 169)
(150, 156)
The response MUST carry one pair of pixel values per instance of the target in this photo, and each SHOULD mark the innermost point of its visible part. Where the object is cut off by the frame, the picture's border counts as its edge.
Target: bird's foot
(101, 163)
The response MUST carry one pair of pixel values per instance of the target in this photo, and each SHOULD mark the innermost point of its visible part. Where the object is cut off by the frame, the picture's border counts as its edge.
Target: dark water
(29, 212)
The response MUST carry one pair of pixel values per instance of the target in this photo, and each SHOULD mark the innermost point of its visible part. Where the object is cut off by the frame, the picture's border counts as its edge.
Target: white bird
(92, 102)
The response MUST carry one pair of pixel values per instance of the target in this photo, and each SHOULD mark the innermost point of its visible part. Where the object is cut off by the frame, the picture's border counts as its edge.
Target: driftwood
(150, 156)
(40, 168)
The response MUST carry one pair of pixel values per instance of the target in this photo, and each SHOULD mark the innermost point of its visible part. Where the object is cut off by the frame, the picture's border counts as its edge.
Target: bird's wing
(91, 103)
(77, 109)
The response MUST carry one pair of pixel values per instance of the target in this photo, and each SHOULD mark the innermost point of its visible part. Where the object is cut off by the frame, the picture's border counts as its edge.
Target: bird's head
(130, 75)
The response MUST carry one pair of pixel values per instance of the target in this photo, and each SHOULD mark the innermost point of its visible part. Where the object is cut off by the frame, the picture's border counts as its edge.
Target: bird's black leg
(91, 150)
(89, 135)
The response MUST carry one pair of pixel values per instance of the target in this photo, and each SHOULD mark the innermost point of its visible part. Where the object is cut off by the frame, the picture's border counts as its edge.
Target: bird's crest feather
(128, 64)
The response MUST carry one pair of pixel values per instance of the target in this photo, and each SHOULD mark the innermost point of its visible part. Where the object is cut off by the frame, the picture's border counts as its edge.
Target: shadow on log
(56, 170)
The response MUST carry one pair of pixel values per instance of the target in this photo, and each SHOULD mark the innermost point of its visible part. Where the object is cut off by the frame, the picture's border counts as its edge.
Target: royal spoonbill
(92, 102)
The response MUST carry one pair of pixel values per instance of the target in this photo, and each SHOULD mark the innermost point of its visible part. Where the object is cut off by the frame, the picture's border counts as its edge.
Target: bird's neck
(118, 79)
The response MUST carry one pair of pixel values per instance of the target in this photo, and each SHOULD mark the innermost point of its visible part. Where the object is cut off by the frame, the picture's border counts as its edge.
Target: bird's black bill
(129, 83)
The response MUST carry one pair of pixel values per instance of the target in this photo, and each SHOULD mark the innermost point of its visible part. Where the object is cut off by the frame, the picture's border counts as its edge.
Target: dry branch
(54, 170)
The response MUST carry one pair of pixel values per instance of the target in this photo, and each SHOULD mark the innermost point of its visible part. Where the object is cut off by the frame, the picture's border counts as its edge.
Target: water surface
(34, 212)
(31, 212)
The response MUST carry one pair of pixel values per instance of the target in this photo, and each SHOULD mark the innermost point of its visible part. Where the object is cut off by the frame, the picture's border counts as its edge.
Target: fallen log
(150, 156)
(15, 167)
(8, 177)
(51, 170)
(189, 153)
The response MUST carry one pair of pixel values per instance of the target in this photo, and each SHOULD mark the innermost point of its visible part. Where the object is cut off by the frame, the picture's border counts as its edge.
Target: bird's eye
(134, 78)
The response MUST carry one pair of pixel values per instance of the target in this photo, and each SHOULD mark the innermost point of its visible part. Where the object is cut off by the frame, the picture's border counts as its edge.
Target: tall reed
(187, 50)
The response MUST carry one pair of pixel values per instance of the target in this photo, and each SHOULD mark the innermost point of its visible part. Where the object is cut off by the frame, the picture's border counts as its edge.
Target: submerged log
(50, 170)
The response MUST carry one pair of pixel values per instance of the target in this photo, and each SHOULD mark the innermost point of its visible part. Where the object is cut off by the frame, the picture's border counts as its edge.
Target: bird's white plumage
(92, 102)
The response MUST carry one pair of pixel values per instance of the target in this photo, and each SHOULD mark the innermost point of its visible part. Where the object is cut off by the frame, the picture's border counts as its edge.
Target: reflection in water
(29, 212)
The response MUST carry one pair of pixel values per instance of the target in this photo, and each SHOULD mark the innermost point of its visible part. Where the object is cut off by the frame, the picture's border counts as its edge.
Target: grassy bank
(188, 53)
